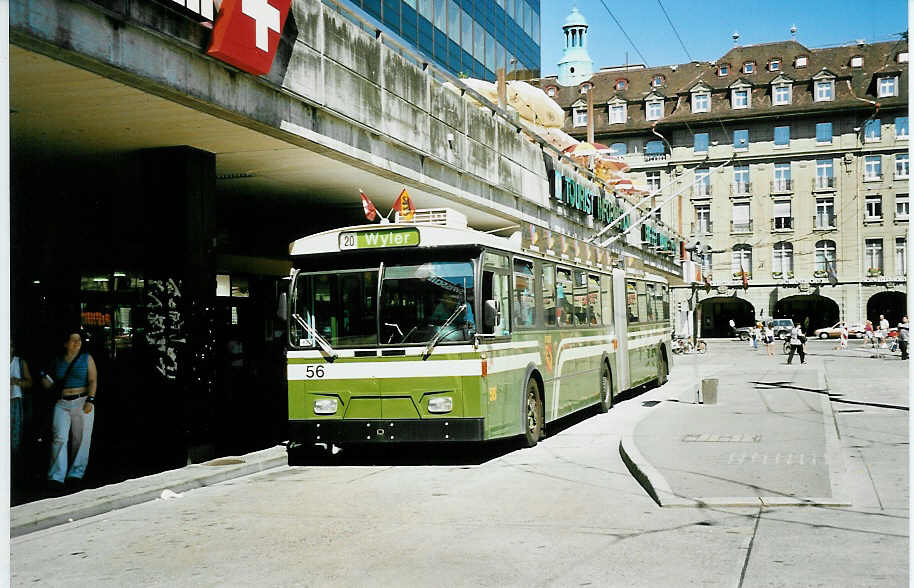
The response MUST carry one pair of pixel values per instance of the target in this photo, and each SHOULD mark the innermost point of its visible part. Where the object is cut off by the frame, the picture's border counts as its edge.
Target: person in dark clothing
(796, 344)
(903, 334)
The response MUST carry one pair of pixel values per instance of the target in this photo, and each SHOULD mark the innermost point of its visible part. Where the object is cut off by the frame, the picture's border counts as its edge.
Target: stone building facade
(791, 163)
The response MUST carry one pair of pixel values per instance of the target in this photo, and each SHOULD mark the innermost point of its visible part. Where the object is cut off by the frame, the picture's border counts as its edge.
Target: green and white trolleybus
(430, 331)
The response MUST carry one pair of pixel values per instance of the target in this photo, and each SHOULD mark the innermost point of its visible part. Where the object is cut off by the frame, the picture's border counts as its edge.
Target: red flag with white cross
(247, 32)
(370, 211)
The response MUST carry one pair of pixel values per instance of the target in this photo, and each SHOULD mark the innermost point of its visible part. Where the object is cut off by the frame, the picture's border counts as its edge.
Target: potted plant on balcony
(777, 274)
(873, 272)
(789, 275)
(820, 273)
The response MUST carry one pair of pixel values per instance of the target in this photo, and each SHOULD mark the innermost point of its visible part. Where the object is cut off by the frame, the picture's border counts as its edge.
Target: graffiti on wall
(165, 332)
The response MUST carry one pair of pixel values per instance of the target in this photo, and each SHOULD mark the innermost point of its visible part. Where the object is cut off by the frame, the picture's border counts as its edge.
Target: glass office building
(467, 37)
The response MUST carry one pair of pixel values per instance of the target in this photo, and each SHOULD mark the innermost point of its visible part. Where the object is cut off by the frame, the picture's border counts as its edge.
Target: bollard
(709, 391)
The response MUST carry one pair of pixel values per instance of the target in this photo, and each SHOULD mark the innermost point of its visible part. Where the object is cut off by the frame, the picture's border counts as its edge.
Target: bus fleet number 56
(314, 371)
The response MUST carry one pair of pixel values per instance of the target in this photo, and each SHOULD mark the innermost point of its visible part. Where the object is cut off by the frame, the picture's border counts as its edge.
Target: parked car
(744, 333)
(834, 331)
(781, 328)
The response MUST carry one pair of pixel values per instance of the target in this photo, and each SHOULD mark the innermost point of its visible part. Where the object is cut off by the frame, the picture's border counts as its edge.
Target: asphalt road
(565, 513)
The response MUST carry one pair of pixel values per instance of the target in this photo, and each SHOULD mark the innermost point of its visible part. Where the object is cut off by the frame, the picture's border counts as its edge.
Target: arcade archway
(891, 304)
(717, 312)
(812, 311)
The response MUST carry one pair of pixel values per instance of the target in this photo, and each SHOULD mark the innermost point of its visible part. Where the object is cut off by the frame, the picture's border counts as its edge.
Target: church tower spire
(575, 66)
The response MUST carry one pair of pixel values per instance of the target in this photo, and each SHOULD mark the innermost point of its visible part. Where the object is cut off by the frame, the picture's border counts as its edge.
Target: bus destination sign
(379, 238)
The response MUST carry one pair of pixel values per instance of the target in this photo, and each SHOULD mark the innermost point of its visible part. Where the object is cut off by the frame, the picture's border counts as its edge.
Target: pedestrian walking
(756, 331)
(883, 331)
(903, 335)
(796, 344)
(869, 336)
(20, 382)
(74, 380)
(769, 339)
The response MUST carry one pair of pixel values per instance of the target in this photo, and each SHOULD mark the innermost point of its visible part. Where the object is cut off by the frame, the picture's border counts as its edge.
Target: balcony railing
(700, 190)
(740, 188)
(782, 186)
(782, 223)
(702, 228)
(824, 221)
(741, 226)
(872, 177)
(823, 183)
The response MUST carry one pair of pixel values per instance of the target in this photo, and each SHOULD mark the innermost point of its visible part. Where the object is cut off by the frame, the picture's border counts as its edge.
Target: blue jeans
(73, 425)
(15, 425)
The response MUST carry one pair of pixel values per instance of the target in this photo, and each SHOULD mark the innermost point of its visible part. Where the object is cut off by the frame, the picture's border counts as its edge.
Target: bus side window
(548, 285)
(665, 295)
(580, 298)
(631, 301)
(594, 310)
(650, 302)
(524, 290)
(563, 293)
(607, 299)
(495, 287)
(642, 301)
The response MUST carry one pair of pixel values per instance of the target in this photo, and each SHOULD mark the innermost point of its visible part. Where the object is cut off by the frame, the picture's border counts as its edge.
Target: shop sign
(380, 238)
(247, 33)
(577, 196)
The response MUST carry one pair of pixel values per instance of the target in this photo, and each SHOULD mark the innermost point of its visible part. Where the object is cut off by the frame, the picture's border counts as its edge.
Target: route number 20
(314, 371)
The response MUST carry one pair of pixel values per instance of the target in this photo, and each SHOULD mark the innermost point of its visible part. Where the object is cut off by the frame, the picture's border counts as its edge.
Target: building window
(741, 260)
(901, 166)
(580, 117)
(782, 263)
(701, 102)
(856, 61)
(655, 110)
(749, 67)
(657, 81)
(617, 114)
(873, 256)
(872, 167)
(823, 133)
(585, 87)
(888, 87)
(702, 219)
(774, 65)
(654, 150)
(901, 127)
(653, 181)
(901, 206)
(741, 219)
(782, 217)
(741, 179)
(826, 255)
(901, 256)
(702, 185)
(618, 148)
(782, 94)
(740, 98)
(800, 62)
(723, 70)
(874, 207)
(741, 139)
(902, 57)
(782, 136)
(825, 173)
(781, 177)
(701, 142)
(621, 84)
(550, 91)
(872, 130)
(825, 213)
(825, 91)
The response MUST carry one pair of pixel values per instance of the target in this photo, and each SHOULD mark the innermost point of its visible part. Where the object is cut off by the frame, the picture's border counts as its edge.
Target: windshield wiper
(438, 333)
(325, 345)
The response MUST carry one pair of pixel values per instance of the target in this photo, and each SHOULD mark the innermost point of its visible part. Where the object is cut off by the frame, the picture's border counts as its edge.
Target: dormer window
(580, 116)
(774, 65)
(618, 113)
(749, 67)
(551, 91)
(857, 61)
(585, 87)
(723, 70)
(888, 86)
(781, 94)
(740, 96)
(800, 62)
(902, 57)
(701, 102)
(825, 91)
(654, 109)
(621, 84)
(657, 81)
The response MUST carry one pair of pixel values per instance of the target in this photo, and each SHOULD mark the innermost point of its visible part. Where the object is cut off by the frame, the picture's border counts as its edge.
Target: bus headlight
(325, 406)
(441, 404)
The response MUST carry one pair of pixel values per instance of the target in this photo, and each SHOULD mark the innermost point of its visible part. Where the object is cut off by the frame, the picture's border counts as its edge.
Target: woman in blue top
(74, 412)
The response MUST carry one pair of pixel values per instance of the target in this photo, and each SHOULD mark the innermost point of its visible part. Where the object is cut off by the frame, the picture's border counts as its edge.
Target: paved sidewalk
(42, 514)
(769, 440)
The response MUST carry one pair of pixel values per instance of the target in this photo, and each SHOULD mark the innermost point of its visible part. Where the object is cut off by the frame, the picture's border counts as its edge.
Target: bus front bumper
(386, 431)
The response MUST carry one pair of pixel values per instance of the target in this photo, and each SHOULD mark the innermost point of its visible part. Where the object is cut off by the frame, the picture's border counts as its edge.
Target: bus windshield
(416, 303)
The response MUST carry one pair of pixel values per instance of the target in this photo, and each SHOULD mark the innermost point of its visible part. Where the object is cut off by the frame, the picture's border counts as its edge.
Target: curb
(50, 512)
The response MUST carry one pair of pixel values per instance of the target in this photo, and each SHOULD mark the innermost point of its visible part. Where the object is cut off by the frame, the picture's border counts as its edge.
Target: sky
(707, 26)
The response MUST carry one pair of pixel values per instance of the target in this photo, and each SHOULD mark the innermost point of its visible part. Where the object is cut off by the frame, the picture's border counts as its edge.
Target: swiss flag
(370, 211)
(247, 32)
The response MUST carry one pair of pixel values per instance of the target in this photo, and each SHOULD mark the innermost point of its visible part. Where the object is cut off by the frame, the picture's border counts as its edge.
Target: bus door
(620, 318)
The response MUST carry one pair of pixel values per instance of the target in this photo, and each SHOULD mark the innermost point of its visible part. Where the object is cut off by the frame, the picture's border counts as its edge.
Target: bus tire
(664, 369)
(606, 389)
(533, 413)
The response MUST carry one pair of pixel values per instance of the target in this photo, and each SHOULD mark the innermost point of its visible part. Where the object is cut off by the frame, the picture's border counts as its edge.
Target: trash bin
(709, 391)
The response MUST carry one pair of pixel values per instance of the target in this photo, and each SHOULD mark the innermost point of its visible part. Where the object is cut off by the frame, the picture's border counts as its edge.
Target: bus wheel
(606, 389)
(533, 414)
(664, 370)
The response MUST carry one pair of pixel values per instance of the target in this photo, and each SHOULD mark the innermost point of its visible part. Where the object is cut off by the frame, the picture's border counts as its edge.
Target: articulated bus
(434, 332)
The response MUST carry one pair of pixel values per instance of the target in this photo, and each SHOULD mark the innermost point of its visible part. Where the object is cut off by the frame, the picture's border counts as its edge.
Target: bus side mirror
(491, 316)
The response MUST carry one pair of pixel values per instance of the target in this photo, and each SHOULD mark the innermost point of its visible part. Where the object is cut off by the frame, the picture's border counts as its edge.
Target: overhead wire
(621, 28)
(669, 20)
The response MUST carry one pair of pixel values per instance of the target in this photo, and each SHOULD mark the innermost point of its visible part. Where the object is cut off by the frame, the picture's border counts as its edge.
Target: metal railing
(741, 226)
(782, 223)
(824, 221)
(701, 190)
(702, 228)
(740, 188)
(781, 186)
(823, 183)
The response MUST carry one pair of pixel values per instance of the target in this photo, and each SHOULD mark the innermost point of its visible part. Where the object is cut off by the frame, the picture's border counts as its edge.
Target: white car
(834, 331)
